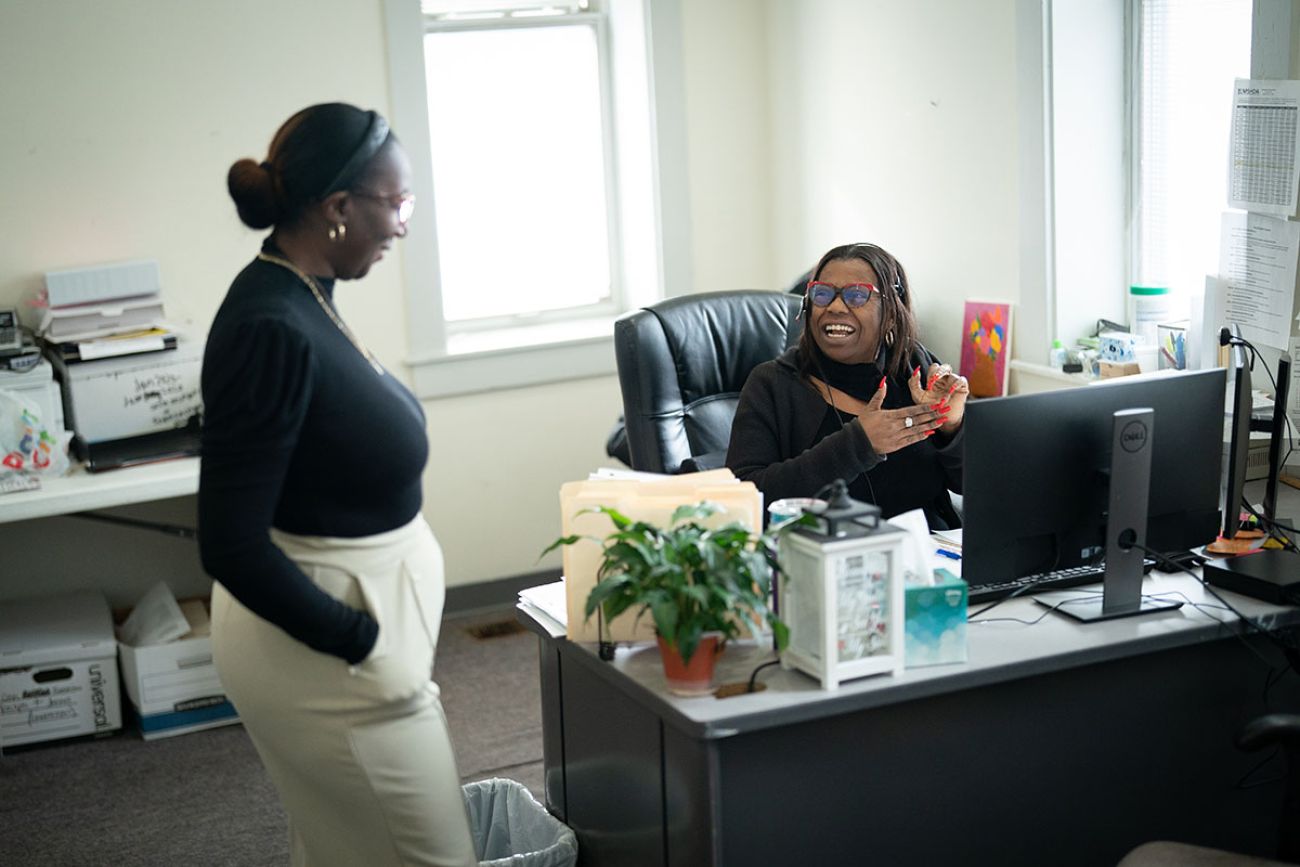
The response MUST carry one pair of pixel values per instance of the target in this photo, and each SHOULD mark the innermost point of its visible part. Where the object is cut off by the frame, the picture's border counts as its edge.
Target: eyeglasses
(854, 294)
(403, 202)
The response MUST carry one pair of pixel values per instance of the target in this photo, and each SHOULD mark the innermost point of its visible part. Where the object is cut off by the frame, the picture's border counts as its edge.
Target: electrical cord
(753, 676)
(1286, 645)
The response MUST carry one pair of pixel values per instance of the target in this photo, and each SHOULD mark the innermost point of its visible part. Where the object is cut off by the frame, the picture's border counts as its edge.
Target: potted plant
(700, 585)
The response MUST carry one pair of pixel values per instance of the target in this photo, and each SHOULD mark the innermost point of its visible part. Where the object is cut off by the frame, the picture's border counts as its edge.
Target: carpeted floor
(204, 799)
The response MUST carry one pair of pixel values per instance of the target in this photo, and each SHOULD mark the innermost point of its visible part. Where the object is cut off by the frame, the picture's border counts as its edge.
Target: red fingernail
(930, 433)
(917, 372)
(882, 383)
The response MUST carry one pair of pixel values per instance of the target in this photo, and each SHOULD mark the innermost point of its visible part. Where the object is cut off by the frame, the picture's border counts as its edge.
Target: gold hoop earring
(338, 233)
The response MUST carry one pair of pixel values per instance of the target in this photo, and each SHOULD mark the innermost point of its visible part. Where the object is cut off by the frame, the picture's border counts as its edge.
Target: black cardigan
(774, 439)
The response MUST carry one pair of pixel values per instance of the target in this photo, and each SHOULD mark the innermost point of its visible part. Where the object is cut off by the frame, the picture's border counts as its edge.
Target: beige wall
(809, 123)
(895, 122)
(121, 120)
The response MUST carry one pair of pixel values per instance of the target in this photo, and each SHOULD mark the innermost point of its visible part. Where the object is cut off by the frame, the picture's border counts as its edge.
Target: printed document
(1264, 151)
(1257, 264)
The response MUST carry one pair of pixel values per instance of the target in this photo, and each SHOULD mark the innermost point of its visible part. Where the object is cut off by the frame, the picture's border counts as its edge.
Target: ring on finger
(907, 422)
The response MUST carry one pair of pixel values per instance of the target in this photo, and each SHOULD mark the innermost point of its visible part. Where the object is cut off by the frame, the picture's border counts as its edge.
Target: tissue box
(936, 622)
(1117, 346)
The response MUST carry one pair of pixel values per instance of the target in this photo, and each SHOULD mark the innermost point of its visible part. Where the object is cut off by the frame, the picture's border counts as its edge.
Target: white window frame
(1047, 298)
(446, 362)
(598, 22)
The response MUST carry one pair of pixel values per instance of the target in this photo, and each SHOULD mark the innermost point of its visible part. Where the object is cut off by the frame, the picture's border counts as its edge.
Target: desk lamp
(842, 591)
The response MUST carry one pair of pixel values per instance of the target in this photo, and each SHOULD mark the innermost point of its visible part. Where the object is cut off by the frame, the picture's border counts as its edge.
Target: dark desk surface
(999, 650)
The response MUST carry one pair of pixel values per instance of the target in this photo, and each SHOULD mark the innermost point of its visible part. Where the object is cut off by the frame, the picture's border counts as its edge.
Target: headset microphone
(1225, 336)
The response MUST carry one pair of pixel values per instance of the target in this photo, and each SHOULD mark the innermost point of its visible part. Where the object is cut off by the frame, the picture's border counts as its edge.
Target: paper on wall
(1257, 263)
(1264, 150)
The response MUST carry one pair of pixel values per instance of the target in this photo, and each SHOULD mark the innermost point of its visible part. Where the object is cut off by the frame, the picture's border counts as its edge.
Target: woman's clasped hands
(944, 390)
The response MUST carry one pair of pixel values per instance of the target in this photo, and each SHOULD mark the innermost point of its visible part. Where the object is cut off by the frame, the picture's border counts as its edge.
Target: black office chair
(1266, 731)
(681, 365)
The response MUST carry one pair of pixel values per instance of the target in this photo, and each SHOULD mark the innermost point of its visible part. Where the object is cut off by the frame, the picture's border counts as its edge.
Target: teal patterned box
(936, 621)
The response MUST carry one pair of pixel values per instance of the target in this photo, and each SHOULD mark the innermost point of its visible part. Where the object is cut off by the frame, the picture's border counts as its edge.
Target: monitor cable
(1284, 641)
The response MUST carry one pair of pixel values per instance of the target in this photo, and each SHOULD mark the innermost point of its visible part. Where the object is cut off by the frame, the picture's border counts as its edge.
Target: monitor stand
(1126, 529)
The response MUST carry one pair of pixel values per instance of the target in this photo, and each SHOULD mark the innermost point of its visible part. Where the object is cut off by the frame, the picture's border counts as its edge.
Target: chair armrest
(1271, 729)
(707, 461)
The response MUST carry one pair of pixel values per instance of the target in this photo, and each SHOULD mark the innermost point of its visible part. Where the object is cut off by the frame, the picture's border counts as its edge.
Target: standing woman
(329, 584)
(859, 398)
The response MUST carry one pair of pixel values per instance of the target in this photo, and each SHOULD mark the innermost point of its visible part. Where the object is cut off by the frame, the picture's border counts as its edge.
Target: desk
(80, 491)
(1058, 743)
(46, 552)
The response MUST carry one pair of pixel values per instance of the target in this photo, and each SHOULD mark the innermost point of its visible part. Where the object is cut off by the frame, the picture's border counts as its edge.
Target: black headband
(375, 135)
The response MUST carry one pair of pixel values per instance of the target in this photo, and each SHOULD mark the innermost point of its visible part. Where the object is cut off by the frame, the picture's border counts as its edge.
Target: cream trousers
(359, 754)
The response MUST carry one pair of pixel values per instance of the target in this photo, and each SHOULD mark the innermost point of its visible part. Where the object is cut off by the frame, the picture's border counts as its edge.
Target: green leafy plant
(691, 578)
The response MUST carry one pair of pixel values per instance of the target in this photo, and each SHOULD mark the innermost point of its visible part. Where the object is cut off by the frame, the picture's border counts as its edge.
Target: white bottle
(1148, 306)
(1057, 357)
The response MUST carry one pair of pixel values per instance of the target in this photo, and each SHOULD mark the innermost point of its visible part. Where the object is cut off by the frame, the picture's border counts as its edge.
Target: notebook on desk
(132, 451)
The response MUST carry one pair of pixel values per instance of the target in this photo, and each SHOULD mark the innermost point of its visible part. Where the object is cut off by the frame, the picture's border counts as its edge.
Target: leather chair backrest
(682, 363)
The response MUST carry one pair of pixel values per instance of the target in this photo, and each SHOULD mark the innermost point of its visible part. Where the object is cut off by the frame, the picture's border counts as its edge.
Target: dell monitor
(1037, 488)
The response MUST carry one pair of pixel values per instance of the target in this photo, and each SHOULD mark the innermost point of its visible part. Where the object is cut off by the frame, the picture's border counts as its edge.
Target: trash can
(511, 829)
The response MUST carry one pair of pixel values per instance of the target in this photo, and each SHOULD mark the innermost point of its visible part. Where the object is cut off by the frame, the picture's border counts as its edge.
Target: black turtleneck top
(791, 443)
(302, 434)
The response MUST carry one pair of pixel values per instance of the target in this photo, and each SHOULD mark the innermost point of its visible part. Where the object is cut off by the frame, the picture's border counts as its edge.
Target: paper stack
(103, 312)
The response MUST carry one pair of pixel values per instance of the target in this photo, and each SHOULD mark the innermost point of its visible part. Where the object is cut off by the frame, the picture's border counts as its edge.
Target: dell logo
(1134, 436)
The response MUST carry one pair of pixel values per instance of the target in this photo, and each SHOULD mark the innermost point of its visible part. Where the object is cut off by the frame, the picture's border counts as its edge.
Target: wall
(895, 122)
(121, 121)
(808, 124)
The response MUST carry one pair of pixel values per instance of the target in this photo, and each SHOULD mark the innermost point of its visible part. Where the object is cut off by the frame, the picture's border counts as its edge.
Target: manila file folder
(650, 501)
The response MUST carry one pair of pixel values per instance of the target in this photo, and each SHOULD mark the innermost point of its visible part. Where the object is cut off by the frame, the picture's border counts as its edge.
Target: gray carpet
(204, 799)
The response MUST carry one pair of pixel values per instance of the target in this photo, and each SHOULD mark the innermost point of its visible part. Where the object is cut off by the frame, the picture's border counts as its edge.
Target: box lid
(63, 628)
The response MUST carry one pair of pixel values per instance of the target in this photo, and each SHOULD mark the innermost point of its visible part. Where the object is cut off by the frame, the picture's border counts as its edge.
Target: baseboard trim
(501, 593)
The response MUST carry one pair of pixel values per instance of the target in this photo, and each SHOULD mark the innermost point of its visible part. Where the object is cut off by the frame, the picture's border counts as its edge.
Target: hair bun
(252, 187)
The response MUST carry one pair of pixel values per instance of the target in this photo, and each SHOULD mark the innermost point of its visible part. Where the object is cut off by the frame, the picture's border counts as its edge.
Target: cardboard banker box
(173, 685)
(58, 669)
(641, 500)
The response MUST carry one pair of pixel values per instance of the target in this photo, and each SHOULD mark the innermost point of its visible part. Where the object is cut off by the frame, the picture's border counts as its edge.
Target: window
(520, 134)
(1189, 52)
(551, 179)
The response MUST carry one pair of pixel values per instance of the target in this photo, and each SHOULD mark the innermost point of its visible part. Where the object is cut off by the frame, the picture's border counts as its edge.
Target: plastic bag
(511, 828)
(27, 444)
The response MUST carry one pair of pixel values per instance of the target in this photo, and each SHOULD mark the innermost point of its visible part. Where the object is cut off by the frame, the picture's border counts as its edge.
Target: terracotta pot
(695, 677)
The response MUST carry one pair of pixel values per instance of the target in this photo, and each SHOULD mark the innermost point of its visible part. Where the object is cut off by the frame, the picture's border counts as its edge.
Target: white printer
(38, 386)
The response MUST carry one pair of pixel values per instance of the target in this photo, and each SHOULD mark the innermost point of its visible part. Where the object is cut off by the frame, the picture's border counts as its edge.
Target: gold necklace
(324, 305)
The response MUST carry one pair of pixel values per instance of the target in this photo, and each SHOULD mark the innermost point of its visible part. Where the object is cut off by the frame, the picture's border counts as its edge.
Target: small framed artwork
(986, 347)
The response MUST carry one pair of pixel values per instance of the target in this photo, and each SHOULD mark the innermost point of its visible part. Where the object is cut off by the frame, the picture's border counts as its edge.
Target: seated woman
(859, 398)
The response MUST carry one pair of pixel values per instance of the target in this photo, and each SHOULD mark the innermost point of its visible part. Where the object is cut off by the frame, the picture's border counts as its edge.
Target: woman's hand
(892, 429)
(943, 390)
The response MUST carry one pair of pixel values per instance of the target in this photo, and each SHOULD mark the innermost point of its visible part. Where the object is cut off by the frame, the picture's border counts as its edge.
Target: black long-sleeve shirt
(300, 433)
(787, 440)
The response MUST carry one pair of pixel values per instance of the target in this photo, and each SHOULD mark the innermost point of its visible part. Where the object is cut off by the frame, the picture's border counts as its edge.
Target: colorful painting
(986, 347)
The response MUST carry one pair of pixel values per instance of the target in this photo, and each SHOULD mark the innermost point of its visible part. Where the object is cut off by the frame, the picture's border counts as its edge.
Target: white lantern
(841, 593)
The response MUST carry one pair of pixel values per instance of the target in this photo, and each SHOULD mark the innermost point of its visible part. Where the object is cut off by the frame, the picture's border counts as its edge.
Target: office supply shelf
(80, 491)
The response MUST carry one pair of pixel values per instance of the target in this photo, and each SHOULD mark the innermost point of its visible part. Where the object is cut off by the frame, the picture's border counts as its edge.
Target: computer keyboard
(1058, 580)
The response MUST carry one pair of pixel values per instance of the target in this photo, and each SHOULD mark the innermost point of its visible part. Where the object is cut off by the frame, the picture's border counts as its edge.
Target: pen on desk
(944, 552)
